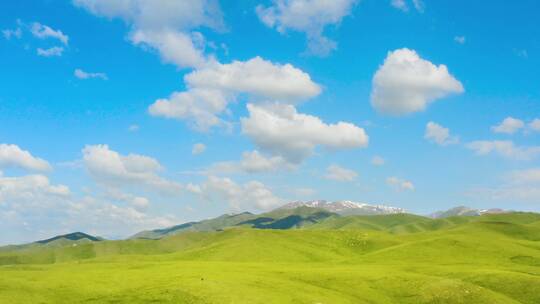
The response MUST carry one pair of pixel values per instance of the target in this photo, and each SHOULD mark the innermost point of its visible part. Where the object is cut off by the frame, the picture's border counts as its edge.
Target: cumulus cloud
(32, 208)
(419, 5)
(30, 189)
(198, 106)
(307, 16)
(509, 125)
(280, 130)
(42, 31)
(406, 83)
(249, 196)
(258, 78)
(377, 160)
(54, 51)
(163, 25)
(16, 33)
(439, 134)
(403, 5)
(133, 128)
(87, 75)
(505, 148)
(212, 88)
(110, 168)
(338, 173)
(519, 185)
(252, 162)
(526, 176)
(460, 39)
(400, 184)
(400, 4)
(13, 156)
(198, 148)
(535, 125)
(137, 202)
(174, 47)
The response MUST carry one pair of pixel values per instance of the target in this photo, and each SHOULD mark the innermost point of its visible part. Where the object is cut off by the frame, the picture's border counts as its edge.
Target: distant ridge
(292, 215)
(467, 211)
(346, 207)
(75, 236)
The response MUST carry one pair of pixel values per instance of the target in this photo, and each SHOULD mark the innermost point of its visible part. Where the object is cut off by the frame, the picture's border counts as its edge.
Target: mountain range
(466, 211)
(346, 207)
(298, 214)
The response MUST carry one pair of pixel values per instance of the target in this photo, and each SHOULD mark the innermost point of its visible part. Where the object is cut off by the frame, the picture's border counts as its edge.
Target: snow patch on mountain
(346, 207)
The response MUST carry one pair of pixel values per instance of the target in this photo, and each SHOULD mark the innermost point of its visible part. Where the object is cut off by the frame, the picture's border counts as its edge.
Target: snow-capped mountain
(466, 211)
(346, 207)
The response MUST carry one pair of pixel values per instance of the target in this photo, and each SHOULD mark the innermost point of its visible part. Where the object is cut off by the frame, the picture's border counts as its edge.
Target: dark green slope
(289, 218)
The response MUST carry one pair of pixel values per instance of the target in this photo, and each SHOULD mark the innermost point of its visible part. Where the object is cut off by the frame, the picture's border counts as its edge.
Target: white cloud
(198, 106)
(439, 134)
(13, 156)
(42, 31)
(400, 4)
(526, 176)
(535, 125)
(377, 160)
(8, 33)
(133, 128)
(100, 216)
(280, 130)
(50, 52)
(406, 83)
(400, 184)
(307, 16)
(519, 185)
(198, 148)
(509, 125)
(109, 168)
(174, 47)
(403, 6)
(419, 5)
(163, 25)
(505, 148)
(259, 78)
(137, 202)
(29, 189)
(251, 162)
(212, 88)
(32, 209)
(338, 173)
(460, 39)
(87, 75)
(249, 196)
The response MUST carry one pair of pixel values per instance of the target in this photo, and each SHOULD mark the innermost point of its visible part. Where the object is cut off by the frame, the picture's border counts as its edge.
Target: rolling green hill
(399, 258)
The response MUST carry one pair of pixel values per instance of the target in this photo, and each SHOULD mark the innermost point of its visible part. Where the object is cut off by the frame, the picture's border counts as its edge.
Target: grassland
(358, 259)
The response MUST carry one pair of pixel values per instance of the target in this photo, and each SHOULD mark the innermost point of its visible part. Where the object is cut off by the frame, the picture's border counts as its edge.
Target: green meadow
(352, 259)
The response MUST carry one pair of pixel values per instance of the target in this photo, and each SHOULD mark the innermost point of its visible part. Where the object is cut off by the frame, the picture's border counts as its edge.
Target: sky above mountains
(120, 116)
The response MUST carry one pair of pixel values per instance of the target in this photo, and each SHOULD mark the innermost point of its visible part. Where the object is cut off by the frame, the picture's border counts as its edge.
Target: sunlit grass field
(376, 259)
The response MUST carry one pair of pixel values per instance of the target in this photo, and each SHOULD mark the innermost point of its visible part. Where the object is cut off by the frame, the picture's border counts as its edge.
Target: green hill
(399, 258)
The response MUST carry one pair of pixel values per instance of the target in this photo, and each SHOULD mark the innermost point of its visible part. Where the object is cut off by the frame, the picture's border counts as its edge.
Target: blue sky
(422, 105)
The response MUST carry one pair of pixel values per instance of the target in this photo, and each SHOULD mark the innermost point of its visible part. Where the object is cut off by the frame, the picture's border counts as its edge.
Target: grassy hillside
(380, 259)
